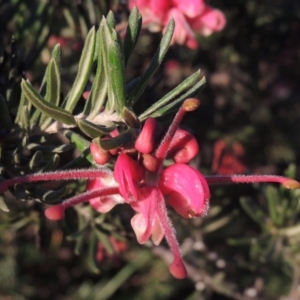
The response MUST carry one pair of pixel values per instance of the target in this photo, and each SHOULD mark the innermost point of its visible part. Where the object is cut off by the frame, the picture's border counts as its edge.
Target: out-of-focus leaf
(91, 259)
(103, 238)
(254, 211)
(110, 18)
(50, 149)
(132, 33)
(36, 160)
(49, 109)
(84, 69)
(3, 205)
(155, 62)
(5, 121)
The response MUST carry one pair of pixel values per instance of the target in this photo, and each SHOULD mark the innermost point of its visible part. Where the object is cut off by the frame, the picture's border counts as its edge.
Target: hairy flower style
(141, 180)
(190, 16)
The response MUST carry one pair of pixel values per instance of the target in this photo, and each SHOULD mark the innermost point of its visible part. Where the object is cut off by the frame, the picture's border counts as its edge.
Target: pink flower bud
(128, 173)
(145, 141)
(100, 156)
(55, 213)
(184, 146)
(187, 189)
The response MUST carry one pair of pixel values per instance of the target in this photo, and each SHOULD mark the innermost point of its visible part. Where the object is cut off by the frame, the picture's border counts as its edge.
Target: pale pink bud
(55, 213)
(187, 189)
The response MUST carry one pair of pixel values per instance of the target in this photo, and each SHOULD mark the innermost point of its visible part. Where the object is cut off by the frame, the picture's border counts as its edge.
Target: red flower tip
(100, 156)
(128, 173)
(145, 141)
(187, 189)
(191, 104)
(55, 213)
(177, 269)
(184, 147)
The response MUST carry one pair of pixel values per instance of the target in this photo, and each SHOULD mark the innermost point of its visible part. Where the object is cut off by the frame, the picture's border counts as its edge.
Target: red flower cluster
(190, 16)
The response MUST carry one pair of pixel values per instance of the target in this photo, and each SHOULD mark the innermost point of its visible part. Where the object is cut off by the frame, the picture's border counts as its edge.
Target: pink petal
(146, 139)
(183, 34)
(187, 189)
(143, 222)
(212, 20)
(128, 173)
(191, 8)
(106, 203)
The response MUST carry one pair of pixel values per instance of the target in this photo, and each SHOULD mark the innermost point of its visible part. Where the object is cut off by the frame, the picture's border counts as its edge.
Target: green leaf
(49, 109)
(91, 129)
(155, 62)
(99, 88)
(253, 211)
(191, 81)
(117, 141)
(105, 241)
(52, 90)
(84, 69)
(25, 119)
(35, 160)
(132, 33)
(50, 149)
(116, 73)
(173, 105)
(3, 206)
(273, 202)
(91, 258)
(5, 121)
(110, 18)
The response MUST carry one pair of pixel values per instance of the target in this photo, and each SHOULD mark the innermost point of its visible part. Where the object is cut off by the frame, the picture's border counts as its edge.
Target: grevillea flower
(190, 16)
(143, 182)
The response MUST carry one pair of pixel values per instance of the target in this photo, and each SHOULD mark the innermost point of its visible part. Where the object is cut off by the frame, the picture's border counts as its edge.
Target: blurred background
(248, 247)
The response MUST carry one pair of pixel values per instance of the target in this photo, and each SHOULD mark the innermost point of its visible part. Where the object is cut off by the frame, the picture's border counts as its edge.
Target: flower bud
(146, 139)
(100, 156)
(184, 147)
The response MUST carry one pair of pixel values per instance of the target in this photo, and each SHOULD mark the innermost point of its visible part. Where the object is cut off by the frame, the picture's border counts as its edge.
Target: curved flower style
(190, 16)
(142, 182)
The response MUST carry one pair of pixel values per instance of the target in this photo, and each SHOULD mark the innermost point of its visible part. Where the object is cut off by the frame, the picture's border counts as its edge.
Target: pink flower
(190, 16)
(142, 182)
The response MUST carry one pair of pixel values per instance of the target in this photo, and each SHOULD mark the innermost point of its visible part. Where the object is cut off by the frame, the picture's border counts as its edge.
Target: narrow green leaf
(187, 83)
(25, 119)
(117, 141)
(90, 129)
(84, 69)
(156, 61)
(117, 74)
(5, 121)
(171, 106)
(99, 88)
(50, 149)
(273, 201)
(91, 258)
(111, 21)
(132, 33)
(52, 90)
(49, 109)
(52, 196)
(105, 241)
